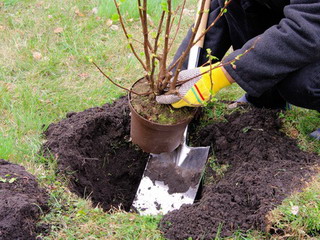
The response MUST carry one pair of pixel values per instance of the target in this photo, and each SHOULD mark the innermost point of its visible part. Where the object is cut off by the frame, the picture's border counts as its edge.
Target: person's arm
(217, 38)
(280, 50)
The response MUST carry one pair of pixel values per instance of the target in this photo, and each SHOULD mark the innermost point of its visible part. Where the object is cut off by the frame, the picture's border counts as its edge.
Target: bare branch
(178, 25)
(155, 48)
(185, 54)
(163, 64)
(118, 85)
(222, 11)
(232, 61)
(146, 43)
(128, 37)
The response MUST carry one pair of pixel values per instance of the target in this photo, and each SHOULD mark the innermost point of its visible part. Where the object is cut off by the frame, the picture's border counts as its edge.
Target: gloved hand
(198, 90)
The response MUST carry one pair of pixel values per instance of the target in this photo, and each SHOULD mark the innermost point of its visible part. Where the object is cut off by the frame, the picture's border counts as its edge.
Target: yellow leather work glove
(198, 90)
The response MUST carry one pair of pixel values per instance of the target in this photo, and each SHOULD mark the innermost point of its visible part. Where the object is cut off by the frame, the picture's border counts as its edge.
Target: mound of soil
(22, 202)
(93, 149)
(265, 167)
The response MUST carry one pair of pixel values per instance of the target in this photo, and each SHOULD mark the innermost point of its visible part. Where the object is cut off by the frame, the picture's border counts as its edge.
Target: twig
(222, 11)
(184, 55)
(163, 76)
(221, 64)
(127, 36)
(178, 25)
(155, 48)
(182, 58)
(144, 23)
(116, 84)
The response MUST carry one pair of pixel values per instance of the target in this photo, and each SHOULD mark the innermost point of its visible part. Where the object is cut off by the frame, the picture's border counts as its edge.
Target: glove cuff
(218, 78)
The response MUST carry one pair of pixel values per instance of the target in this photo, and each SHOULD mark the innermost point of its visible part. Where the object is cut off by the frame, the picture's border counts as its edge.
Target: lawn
(45, 73)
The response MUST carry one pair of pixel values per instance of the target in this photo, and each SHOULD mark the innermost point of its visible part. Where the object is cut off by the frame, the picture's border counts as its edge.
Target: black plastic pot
(153, 137)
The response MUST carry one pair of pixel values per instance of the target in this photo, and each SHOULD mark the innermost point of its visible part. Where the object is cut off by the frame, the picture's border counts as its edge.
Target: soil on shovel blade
(265, 166)
(93, 150)
(22, 202)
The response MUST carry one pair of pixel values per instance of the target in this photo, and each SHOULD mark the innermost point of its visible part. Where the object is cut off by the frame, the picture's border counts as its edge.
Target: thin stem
(203, 34)
(155, 48)
(144, 23)
(163, 65)
(185, 54)
(118, 85)
(232, 61)
(178, 25)
(222, 11)
(127, 36)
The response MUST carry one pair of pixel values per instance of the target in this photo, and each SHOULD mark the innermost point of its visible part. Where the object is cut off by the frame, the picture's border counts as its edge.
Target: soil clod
(22, 202)
(93, 150)
(265, 167)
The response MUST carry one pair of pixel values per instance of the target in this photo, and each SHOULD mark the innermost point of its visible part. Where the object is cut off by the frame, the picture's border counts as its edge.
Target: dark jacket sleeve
(280, 50)
(217, 36)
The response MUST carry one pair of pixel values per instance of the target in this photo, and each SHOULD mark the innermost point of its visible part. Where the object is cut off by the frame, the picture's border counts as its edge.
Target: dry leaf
(39, 4)
(114, 27)
(94, 10)
(78, 13)
(37, 55)
(109, 23)
(295, 210)
(72, 58)
(58, 30)
(2, 28)
(8, 86)
(188, 12)
(84, 75)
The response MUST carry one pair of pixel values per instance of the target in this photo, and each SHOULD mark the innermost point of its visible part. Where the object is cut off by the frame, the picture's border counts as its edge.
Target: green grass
(129, 8)
(44, 75)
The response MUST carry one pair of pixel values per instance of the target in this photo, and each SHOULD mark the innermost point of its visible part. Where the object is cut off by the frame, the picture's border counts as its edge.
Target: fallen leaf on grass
(109, 23)
(114, 27)
(2, 28)
(8, 86)
(58, 30)
(188, 12)
(294, 133)
(39, 4)
(84, 75)
(295, 210)
(78, 13)
(37, 55)
(94, 10)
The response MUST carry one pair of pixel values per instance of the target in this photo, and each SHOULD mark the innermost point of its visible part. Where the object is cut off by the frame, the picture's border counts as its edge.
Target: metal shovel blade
(170, 180)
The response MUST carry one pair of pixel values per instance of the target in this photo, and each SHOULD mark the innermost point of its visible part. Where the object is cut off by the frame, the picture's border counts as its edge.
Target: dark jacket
(289, 39)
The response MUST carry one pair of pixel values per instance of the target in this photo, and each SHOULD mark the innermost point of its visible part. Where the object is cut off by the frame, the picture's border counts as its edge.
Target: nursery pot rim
(156, 123)
(154, 137)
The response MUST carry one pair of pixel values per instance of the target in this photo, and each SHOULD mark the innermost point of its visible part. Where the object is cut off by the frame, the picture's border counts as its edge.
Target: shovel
(172, 179)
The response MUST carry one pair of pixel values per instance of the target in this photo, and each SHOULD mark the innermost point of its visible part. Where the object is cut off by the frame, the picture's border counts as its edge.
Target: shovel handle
(204, 21)
(195, 50)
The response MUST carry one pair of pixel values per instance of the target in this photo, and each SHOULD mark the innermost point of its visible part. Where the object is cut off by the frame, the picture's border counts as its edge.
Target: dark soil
(265, 167)
(93, 150)
(178, 179)
(22, 202)
(147, 107)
